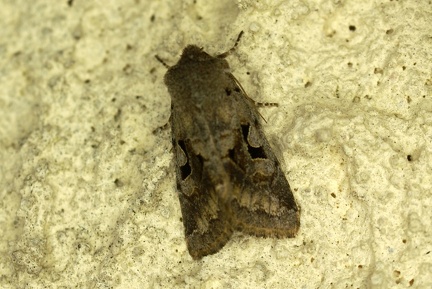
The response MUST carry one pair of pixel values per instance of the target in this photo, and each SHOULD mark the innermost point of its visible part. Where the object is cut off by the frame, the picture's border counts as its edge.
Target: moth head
(194, 53)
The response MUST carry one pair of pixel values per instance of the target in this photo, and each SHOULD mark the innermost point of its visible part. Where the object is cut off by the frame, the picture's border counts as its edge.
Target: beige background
(87, 190)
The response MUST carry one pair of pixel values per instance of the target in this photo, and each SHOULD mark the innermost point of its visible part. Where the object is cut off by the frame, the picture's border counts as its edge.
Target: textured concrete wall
(87, 190)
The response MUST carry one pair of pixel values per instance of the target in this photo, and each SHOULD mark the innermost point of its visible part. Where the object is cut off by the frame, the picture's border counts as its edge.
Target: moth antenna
(163, 62)
(225, 54)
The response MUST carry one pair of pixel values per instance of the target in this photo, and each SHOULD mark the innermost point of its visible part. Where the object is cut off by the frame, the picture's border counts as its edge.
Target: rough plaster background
(87, 192)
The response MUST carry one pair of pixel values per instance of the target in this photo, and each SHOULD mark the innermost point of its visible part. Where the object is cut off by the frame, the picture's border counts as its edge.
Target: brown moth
(228, 178)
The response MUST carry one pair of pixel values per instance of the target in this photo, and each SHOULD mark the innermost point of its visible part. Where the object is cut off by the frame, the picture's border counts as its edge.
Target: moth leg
(161, 128)
(266, 104)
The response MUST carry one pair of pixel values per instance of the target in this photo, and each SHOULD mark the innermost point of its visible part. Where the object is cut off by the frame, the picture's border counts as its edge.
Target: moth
(228, 178)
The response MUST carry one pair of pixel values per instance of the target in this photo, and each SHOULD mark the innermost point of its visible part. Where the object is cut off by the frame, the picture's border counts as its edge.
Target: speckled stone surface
(87, 190)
